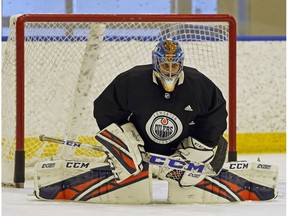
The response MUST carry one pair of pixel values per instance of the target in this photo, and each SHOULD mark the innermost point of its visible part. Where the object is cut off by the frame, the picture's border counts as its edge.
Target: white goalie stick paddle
(209, 169)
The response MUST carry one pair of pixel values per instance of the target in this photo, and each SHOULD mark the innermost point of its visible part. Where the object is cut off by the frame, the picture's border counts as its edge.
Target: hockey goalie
(171, 116)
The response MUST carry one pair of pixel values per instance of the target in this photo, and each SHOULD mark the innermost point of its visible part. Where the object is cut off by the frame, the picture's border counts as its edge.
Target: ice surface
(16, 202)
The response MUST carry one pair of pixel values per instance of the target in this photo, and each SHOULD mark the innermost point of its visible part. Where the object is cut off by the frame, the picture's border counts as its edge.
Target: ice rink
(17, 202)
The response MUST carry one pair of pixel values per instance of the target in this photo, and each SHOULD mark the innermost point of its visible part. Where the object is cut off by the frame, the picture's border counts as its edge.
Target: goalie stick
(209, 169)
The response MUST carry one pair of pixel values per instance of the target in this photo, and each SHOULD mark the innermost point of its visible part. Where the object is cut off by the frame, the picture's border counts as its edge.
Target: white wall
(261, 86)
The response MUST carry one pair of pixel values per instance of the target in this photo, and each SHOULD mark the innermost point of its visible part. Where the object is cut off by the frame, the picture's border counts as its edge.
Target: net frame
(19, 176)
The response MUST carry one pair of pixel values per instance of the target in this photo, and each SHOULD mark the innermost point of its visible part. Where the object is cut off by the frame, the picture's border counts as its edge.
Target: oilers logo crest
(163, 127)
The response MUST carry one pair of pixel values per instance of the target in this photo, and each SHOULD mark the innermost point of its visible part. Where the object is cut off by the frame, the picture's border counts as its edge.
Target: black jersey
(195, 108)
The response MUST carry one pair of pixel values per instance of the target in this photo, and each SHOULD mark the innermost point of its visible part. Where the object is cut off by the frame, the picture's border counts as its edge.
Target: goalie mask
(167, 61)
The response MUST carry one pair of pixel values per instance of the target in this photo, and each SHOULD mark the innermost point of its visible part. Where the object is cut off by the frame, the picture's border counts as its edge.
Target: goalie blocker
(123, 146)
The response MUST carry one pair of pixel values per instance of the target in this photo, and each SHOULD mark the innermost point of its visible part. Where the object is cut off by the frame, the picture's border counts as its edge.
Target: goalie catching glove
(192, 150)
(123, 146)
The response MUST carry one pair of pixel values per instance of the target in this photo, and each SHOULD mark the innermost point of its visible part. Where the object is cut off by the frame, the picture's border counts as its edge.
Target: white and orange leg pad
(238, 181)
(90, 182)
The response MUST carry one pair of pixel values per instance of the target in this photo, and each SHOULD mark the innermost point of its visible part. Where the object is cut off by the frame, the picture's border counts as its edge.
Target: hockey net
(54, 66)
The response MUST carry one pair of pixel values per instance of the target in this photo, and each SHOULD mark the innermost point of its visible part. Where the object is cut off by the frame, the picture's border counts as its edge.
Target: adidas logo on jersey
(188, 108)
(192, 123)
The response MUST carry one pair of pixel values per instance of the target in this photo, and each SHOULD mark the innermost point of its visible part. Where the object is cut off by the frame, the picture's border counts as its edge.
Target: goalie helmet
(167, 61)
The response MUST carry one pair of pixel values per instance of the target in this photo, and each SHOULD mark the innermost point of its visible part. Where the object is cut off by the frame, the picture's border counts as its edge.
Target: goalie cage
(55, 65)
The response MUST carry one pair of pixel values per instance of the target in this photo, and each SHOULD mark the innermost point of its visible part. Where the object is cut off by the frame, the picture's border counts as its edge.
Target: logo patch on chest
(163, 127)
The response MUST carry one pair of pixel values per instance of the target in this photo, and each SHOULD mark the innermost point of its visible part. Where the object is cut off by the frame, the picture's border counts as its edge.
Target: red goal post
(43, 35)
